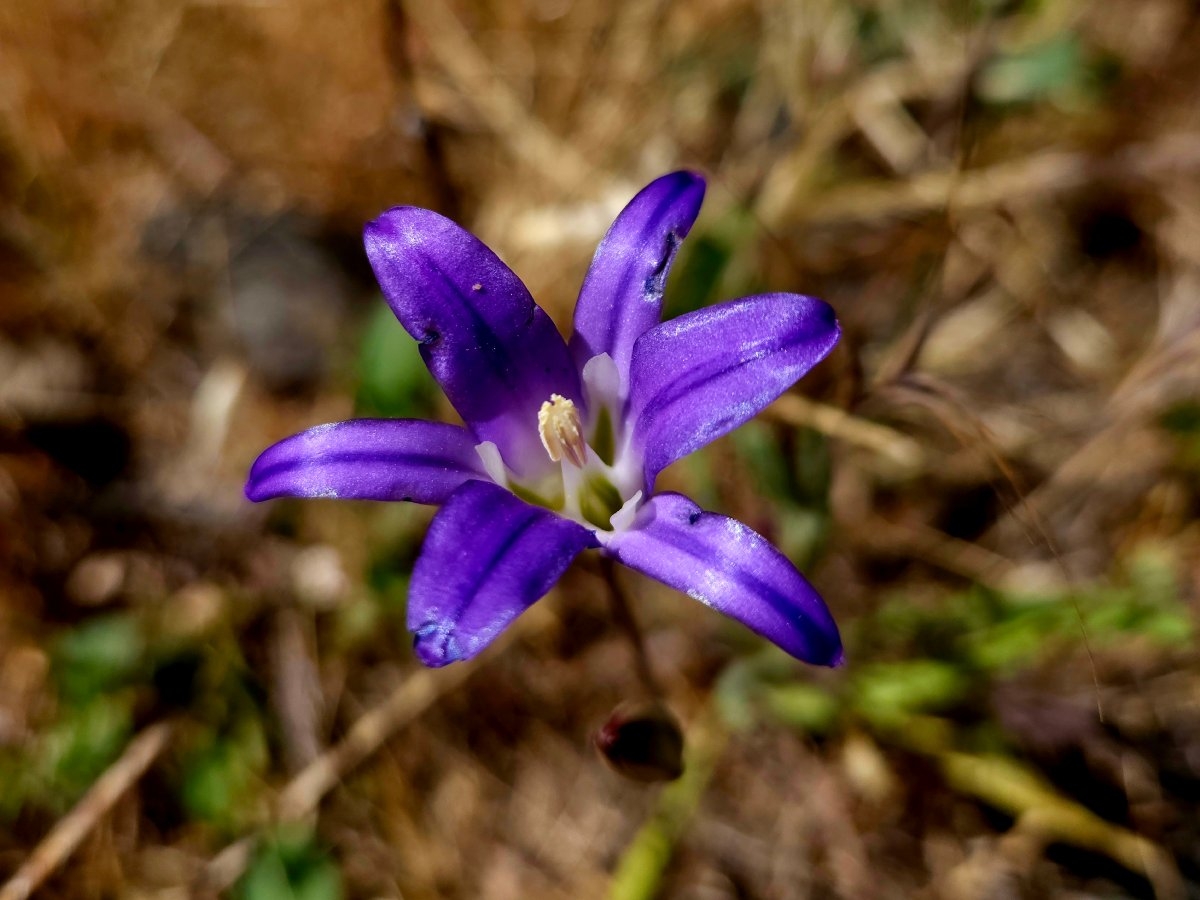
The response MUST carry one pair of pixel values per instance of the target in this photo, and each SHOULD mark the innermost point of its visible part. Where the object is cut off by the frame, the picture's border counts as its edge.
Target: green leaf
(220, 778)
(758, 447)
(733, 697)
(801, 534)
(79, 746)
(715, 264)
(812, 468)
(887, 692)
(803, 706)
(290, 866)
(98, 656)
(393, 379)
(1022, 633)
(1058, 69)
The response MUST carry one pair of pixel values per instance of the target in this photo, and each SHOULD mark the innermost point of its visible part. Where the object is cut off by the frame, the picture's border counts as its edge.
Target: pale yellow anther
(561, 430)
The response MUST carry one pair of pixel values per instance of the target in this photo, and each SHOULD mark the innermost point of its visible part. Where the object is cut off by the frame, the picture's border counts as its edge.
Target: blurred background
(993, 480)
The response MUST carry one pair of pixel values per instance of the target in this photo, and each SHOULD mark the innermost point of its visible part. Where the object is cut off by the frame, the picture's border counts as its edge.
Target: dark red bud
(643, 742)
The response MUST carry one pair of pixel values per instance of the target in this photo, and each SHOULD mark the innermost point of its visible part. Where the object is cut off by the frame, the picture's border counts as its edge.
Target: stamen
(561, 430)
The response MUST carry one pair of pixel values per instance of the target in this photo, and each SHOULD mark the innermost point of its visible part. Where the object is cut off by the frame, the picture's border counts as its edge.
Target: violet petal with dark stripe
(487, 557)
(697, 377)
(622, 293)
(730, 567)
(524, 490)
(495, 353)
(368, 459)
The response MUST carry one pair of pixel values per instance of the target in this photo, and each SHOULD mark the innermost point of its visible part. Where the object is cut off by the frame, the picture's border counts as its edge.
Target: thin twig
(400, 58)
(68, 833)
(297, 690)
(794, 410)
(930, 545)
(301, 796)
(623, 615)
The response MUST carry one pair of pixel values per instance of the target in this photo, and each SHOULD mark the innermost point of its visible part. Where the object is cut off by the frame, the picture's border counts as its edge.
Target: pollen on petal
(561, 430)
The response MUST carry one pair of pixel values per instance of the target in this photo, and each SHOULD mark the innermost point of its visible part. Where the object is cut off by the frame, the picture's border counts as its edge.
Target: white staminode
(561, 430)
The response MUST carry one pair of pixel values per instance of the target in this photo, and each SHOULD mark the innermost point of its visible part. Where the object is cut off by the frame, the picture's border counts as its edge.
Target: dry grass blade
(999, 200)
(942, 550)
(69, 832)
(1033, 177)
(1167, 374)
(797, 411)
(527, 138)
(301, 796)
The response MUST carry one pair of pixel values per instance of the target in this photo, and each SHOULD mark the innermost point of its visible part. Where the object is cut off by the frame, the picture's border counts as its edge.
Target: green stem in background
(640, 870)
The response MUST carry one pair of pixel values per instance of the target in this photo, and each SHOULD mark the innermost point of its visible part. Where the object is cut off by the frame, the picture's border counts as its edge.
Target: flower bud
(643, 742)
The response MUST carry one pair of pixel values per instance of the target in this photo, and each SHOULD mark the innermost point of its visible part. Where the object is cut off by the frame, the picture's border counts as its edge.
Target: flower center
(561, 431)
(598, 479)
(587, 482)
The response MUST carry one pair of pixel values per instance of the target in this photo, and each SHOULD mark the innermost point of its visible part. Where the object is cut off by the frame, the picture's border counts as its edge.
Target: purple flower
(563, 441)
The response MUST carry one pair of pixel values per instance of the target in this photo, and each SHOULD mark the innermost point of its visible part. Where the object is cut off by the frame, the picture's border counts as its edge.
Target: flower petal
(728, 566)
(701, 375)
(368, 459)
(488, 556)
(496, 354)
(623, 291)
